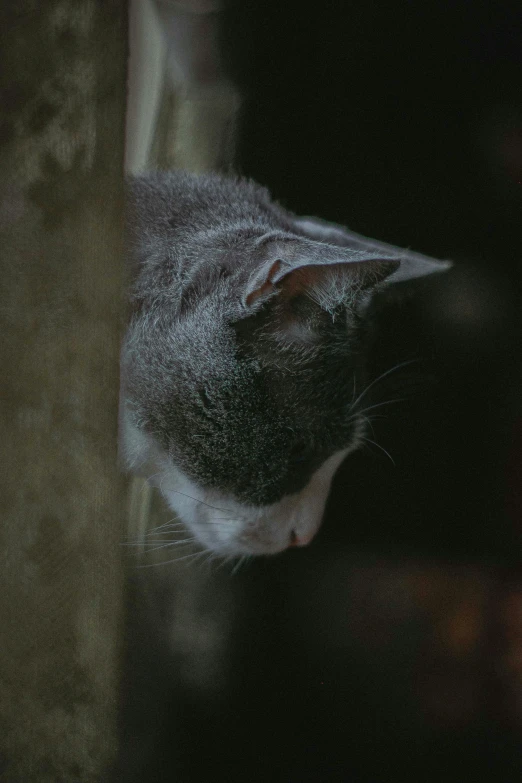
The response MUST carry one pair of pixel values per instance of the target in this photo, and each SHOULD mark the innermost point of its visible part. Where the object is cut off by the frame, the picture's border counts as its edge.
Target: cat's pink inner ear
(266, 288)
(292, 282)
(307, 277)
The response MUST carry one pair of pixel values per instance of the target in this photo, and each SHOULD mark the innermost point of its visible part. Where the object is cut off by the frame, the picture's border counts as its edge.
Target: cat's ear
(288, 265)
(412, 265)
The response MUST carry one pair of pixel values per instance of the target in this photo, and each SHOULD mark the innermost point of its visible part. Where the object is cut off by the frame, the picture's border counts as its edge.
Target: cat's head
(239, 378)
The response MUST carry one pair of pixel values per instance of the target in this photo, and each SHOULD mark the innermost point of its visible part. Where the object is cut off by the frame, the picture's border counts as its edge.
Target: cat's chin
(233, 550)
(227, 527)
(249, 545)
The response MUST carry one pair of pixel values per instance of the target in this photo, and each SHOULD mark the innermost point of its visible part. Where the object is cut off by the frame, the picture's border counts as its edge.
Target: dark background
(404, 121)
(390, 649)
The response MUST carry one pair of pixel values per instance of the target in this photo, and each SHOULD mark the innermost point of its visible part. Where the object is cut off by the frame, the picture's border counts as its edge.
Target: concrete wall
(62, 498)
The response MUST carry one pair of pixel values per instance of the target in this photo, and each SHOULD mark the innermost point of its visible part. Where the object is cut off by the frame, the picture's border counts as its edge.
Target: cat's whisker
(210, 560)
(379, 405)
(165, 535)
(172, 521)
(369, 440)
(166, 526)
(196, 556)
(224, 519)
(167, 529)
(164, 529)
(225, 559)
(382, 403)
(160, 485)
(149, 546)
(196, 500)
(140, 541)
(168, 544)
(380, 378)
(174, 560)
(242, 560)
(145, 544)
(147, 538)
(149, 478)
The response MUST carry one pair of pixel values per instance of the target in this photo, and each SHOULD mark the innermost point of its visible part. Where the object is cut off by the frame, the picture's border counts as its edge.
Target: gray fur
(246, 333)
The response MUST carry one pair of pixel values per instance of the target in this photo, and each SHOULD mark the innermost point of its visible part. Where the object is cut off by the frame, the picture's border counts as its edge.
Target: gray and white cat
(243, 357)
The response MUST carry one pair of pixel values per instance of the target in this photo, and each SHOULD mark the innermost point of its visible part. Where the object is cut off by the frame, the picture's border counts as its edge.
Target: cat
(244, 355)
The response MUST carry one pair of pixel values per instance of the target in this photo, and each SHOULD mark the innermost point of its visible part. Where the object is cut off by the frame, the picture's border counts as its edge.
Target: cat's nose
(302, 540)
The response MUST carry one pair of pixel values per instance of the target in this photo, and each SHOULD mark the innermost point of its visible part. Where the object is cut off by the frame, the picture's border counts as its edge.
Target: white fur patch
(221, 523)
(228, 527)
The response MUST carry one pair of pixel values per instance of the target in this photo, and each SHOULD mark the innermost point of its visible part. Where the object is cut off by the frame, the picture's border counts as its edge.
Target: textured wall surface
(61, 495)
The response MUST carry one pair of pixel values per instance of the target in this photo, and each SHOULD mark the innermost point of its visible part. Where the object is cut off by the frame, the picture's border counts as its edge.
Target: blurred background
(391, 648)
